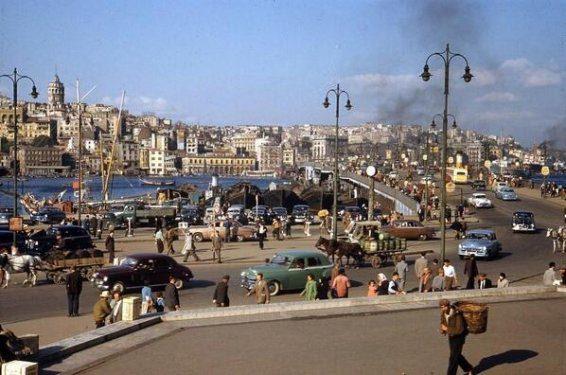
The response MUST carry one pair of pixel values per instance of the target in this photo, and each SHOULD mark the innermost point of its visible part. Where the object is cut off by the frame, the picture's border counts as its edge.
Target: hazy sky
(267, 62)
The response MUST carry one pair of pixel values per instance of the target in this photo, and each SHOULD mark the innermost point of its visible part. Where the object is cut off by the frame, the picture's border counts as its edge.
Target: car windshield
(300, 209)
(479, 236)
(481, 196)
(129, 262)
(523, 217)
(281, 260)
(507, 190)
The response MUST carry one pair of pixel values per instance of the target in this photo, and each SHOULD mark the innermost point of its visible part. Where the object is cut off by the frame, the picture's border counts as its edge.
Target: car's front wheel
(197, 237)
(179, 284)
(274, 288)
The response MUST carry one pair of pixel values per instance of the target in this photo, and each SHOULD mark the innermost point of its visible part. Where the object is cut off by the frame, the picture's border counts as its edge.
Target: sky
(271, 62)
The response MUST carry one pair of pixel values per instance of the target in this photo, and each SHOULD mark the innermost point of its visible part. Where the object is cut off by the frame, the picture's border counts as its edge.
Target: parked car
(410, 230)
(7, 239)
(500, 184)
(137, 269)
(288, 270)
(235, 211)
(300, 213)
(189, 214)
(6, 214)
(73, 238)
(479, 185)
(354, 211)
(260, 212)
(480, 200)
(524, 221)
(506, 194)
(48, 215)
(279, 212)
(204, 232)
(482, 243)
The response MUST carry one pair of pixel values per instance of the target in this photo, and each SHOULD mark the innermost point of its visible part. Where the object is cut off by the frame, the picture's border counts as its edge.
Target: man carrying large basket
(453, 325)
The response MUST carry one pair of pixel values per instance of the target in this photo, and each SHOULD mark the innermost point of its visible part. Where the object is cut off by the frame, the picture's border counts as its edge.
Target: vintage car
(479, 185)
(500, 184)
(480, 200)
(189, 214)
(482, 243)
(279, 212)
(410, 230)
(524, 221)
(300, 213)
(288, 270)
(506, 194)
(137, 269)
(204, 232)
(73, 238)
(48, 215)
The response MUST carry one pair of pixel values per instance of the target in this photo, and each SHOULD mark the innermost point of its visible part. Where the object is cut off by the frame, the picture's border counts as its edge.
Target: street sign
(450, 160)
(487, 164)
(371, 171)
(545, 171)
(16, 224)
(450, 187)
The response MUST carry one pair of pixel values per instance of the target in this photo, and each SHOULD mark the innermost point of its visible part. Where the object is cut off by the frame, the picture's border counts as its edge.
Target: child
(372, 288)
(159, 302)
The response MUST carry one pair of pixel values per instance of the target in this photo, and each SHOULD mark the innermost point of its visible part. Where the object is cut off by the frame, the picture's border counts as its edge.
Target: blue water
(121, 186)
(559, 178)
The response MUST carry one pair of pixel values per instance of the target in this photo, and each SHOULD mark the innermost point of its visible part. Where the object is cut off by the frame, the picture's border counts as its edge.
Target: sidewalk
(535, 194)
(53, 328)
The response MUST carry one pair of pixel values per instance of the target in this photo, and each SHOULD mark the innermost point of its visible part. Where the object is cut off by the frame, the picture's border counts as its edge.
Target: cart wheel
(90, 271)
(375, 262)
(60, 279)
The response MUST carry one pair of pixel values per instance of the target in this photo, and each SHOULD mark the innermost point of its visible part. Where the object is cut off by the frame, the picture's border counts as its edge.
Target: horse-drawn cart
(86, 261)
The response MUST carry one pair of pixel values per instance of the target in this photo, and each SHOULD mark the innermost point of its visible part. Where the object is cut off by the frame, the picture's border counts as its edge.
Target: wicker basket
(475, 315)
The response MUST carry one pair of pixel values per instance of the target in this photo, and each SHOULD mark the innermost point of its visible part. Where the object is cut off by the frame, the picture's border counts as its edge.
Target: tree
(42, 141)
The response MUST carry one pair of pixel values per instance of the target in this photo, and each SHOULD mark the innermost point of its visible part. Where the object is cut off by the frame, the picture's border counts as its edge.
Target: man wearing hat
(101, 309)
(220, 297)
(453, 325)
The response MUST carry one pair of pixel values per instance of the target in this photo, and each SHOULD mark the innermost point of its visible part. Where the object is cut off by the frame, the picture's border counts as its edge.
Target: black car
(479, 185)
(6, 214)
(138, 269)
(279, 212)
(190, 214)
(300, 213)
(7, 239)
(49, 215)
(73, 238)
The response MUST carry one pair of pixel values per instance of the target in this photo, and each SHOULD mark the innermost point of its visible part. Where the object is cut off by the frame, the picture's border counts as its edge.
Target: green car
(288, 270)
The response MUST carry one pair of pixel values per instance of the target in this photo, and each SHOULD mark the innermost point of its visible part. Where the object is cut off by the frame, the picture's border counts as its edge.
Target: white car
(480, 200)
(500, 185)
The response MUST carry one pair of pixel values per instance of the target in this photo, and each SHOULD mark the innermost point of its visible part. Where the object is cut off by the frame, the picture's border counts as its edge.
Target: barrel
(475, 315)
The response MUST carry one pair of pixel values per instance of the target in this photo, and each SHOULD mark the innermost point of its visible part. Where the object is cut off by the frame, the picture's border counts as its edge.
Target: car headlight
(243, 273)
(105, 279)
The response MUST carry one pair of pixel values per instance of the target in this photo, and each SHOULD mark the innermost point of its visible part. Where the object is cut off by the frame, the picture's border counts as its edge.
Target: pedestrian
(382, 285)
(171, 295)
(110, 246)
(322, 288)
(310, 291)
(334, 272)
(159, 302)
(86, 223)
(101, 309)
(116, 305)
(74, 286)
(471, 269)
(402, 269)
(450, 279)
(421, 213)
(276, 229)
(393, 287)
(146, 297)
(261, 234)
(189, 248)
(307, 226)
(420, 265)
(226, 225)
(453, 325)
(438, 281)
(94, 225)
(434, 266)
(216, 246)
(159, 240)
(426, 281)
(502, 282)
(484, 282)
(549, 277)
(461, 210)
(220, 297)
(288, 227)
(341, 284)
(169, 238)
(372, 288)
(260, 289)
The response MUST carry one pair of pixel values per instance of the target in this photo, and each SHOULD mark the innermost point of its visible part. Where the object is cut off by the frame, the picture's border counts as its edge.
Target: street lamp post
(447, 57)
(337, 92)
(15, 78)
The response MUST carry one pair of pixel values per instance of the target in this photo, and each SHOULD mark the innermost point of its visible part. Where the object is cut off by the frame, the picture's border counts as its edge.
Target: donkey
(19, 264)
(558, 237)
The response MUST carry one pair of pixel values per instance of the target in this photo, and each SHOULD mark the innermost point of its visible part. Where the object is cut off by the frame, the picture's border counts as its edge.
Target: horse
(19, 264)
(558, 237)
(341, 249)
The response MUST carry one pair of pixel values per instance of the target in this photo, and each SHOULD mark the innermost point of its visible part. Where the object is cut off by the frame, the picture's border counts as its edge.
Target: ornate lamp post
(337, 92)
(446, 57)
(15, 78)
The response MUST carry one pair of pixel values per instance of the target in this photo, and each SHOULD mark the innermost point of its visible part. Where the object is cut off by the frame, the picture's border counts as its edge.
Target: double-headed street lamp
(15, 78)
(337, 92)
(447, 57)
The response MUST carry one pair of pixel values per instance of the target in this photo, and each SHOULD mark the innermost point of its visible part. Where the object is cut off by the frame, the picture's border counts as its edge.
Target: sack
(475, 315)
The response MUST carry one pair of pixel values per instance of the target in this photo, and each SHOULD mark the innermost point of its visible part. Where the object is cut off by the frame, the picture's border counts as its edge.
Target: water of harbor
(121, 186)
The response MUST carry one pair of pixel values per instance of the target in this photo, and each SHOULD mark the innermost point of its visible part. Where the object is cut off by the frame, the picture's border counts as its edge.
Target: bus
(459, 175)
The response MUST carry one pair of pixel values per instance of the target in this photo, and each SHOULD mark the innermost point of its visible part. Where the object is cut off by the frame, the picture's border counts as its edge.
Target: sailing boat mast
(107, 172)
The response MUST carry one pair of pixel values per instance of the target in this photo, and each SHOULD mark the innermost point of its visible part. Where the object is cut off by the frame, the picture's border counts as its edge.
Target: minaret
(56, 93)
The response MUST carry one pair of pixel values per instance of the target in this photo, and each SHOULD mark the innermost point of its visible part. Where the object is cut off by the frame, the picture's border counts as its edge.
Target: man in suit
(484, 282)
(471, 270)
(74, 286)
(260, 290)
(420, 264)
(171, 295)
(110, 246)
(220, 297)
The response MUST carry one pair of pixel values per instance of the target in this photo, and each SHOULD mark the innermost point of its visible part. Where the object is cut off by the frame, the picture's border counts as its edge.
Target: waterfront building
(40, 161)
(195, 144)
(38, 127)
(161, 162)
(217, 163)
(270, 158)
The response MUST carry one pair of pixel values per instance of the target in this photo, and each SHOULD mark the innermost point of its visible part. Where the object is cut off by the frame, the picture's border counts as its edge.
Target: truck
(141, 214)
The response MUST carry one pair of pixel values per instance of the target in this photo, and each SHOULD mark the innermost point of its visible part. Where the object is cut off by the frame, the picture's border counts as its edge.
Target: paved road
(525, 257)
(522, 338)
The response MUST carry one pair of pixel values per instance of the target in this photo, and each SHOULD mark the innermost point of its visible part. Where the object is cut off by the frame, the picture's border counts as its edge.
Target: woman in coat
(310, 291)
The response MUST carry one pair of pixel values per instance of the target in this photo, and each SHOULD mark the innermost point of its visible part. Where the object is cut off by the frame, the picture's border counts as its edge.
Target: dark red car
(136, 269)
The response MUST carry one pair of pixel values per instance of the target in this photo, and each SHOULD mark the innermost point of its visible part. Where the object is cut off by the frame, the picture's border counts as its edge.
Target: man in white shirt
(449, 275)
(549, 277)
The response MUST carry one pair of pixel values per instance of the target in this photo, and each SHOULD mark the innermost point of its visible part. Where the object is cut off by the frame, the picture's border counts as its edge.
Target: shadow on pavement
(510, 356)
(193, 284)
